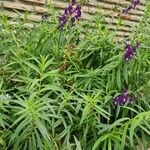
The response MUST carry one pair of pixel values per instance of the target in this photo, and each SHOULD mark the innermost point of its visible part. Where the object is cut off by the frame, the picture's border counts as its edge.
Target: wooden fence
(109, 8)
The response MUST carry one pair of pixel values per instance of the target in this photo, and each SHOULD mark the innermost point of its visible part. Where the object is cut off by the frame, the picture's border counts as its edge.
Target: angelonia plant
(66, 84)
(129, 53)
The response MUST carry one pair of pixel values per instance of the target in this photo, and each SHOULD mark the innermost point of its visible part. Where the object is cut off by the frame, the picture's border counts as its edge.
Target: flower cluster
(123, 98)
(130, 50)
(72, 12)
(133, 4)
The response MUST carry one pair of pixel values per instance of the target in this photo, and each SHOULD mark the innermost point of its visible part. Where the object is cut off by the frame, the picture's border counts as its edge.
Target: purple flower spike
(130, 51)
(72, 13)
(78, 13)
(70, 10)
(123, 98)
(62, 21)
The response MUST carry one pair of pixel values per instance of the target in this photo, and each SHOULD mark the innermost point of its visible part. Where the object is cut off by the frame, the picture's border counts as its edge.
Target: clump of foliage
(57, 87)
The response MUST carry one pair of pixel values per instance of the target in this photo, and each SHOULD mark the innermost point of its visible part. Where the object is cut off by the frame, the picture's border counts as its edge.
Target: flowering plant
(73, 88)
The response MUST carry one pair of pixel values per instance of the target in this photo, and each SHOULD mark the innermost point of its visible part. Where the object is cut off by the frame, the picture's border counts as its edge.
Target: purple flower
(72, 13)
(62, 21)
(130, 51)
(70, 10)
(78, 13)
(132, 5)
(123, 98)
(74, 2)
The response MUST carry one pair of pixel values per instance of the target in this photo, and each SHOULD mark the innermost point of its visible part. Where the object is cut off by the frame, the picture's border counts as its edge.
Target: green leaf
(124, 136)
(135, 123)
(39, 140)
(78, 146)
(43, 130)
(104, 113)
(63, 133)
(19, 128)
(2, 142)
(100, 139)
(109, 144)
(23, 116)
(33, 66)
(145, 129)
(125, 73)
(84, 138)
(119, 78)
(85, 113)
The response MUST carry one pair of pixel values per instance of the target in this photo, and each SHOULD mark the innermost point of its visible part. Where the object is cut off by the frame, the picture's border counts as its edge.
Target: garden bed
(66, 84)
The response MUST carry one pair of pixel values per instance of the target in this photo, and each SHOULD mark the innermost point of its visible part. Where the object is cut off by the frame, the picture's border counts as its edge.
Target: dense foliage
(57, 87)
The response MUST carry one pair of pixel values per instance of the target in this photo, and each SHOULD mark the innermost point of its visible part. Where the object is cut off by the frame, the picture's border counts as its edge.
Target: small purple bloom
(62, 21)
(70, 10)
(72, 13)
(66, 11)
(130, 51)
(123, 98)
(78, 8)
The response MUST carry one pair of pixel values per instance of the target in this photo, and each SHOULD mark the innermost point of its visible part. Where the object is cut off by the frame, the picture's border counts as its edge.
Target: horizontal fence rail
(110, 9)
